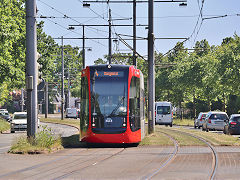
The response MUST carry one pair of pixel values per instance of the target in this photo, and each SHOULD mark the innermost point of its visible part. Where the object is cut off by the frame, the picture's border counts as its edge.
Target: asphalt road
(143, 162)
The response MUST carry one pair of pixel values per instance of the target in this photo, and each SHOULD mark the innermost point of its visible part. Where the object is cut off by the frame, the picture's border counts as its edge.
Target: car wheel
(207, 130)
(198, 127)
(170, 125)
(195, 126)
(203, 129)
(12, 131)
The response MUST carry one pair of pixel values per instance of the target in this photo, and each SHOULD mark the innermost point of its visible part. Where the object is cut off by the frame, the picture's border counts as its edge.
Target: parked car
(19, 122)
(71, 113)
(3, 110)
(214, 120)
(232, 126)
(5, 115)
(199, 121)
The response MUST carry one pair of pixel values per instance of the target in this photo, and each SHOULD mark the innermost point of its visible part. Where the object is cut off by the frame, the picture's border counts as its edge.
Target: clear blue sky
(170, 21)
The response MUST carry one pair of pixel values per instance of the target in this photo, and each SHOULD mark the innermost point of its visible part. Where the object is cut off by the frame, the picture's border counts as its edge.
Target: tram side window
(84, 104)
(134, 104)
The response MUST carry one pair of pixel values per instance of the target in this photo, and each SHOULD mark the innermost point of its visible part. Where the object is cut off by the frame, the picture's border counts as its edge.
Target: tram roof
(110, 65)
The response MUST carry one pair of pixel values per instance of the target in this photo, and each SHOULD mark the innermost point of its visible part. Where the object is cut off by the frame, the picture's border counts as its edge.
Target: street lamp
(183, 4)
(86, 5)
(71, 28)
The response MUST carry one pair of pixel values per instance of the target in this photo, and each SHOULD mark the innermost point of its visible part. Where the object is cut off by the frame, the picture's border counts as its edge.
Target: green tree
(12, 46)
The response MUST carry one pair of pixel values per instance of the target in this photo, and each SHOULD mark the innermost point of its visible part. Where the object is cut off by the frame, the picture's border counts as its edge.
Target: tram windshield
(108, 100)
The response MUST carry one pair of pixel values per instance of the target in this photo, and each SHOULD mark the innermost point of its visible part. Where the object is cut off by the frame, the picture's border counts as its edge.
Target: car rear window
(20, 116)
(163, 109)
(219, 116)
(236, 119)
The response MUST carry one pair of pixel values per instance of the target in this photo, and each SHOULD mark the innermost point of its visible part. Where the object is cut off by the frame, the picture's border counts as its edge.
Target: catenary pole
(62, 93)
(110, 38)
(69, 94)
(31, 67)
(46, 99)
(83, 40)
(151, 70)
(22, 99)
(134, 33)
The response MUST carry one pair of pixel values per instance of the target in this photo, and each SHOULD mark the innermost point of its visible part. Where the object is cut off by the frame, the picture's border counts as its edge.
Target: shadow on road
(74, 142)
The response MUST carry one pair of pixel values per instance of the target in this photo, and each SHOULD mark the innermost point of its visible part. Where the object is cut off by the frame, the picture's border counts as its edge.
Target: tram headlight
(93, 122)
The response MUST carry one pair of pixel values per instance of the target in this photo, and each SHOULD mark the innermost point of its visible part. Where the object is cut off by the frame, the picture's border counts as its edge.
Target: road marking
(6, 147)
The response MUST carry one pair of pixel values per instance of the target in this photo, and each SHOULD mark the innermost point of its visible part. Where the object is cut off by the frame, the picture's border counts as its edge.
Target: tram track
(214, 153)
(51, 169)
(169, 159)
(66, 175)
(40, 165)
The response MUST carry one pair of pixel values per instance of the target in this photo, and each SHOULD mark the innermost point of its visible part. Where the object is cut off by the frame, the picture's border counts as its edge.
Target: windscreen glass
(20, 116)
(163, 109)
(108, 100)
(236, 119)
(219, 116)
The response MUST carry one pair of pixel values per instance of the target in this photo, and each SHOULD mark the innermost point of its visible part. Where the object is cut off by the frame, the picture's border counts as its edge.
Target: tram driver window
(84, 104)
(134, 104)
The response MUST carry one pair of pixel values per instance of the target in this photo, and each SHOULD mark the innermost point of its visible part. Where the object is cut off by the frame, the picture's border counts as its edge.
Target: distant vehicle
(199, 121)
(19, 122)
(232, 126)
(71, 113)
(5, 115)
(163, 113)
(3, 110)
(214, 121)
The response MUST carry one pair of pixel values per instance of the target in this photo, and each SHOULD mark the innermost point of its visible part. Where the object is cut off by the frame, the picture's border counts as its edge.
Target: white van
(163, 113)
(71, 113)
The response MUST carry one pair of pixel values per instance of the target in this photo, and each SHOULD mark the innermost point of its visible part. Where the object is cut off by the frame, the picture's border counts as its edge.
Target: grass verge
(70, 122)
(183, 122)
(44, 142)
(4, 126)
(156, 138)
(214, 138)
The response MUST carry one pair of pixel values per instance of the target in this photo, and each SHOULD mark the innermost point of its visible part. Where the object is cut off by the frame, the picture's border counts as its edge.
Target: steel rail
(173, 155)
(87, 166)
(214, 153)
(39, 165)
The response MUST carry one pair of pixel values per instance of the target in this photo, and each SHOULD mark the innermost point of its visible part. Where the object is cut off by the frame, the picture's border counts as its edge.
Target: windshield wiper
(118, 105)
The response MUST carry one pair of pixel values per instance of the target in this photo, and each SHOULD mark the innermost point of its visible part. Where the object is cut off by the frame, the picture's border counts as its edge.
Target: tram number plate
(108, 120)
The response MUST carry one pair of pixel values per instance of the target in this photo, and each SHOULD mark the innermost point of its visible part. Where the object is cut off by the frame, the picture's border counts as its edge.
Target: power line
(68, 17)
(138, 17)
(94, 12)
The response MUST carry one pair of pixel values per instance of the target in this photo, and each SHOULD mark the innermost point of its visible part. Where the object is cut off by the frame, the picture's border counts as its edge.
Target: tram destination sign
(109, 73)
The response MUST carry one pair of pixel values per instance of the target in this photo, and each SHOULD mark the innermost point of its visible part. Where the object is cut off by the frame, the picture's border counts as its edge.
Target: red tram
(112, 104)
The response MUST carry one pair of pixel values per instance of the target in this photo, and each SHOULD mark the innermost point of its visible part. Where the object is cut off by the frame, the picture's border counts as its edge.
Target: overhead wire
(200, 17)
(65, 16)
(68, 17)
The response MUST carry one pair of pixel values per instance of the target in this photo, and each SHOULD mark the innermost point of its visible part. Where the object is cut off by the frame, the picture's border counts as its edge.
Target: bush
(44, 141)
(45, 138)
(4, 126)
